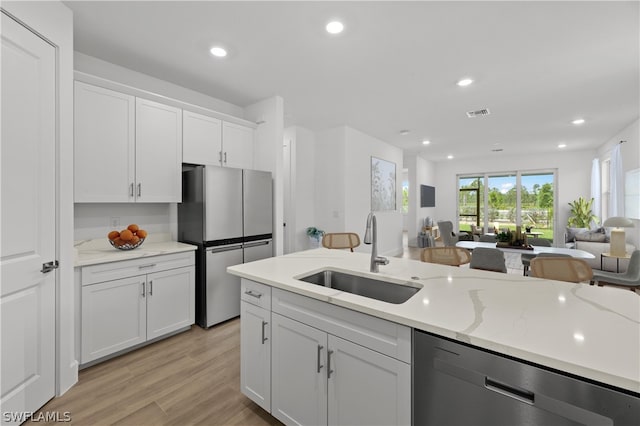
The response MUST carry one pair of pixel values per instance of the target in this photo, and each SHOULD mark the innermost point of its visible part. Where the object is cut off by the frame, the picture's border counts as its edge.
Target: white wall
(573, 174)
(92, 220)
(99, 68)
(269, 114)
(630, 152)
(421, 172)
(343, 186)
(54, 22)
(301, 211)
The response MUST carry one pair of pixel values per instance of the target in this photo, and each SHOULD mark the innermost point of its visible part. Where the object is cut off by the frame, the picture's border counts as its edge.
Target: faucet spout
(371, 237)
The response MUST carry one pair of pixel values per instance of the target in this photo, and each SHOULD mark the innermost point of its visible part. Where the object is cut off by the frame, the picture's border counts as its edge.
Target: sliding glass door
(507, 200)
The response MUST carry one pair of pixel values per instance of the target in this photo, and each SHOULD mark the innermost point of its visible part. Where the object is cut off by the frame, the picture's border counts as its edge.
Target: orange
(126, 235)
(135, 239)
(133, 228)
(113, 235)
(119, 242)
(141, 233)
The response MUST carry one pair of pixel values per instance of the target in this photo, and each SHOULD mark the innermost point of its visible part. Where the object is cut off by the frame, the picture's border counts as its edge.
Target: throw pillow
(570, 235)
(591, 236)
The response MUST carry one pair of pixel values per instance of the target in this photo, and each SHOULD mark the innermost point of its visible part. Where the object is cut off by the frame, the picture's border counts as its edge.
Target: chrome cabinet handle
(150, 288)
(139, 190)
(225, 157)
(264, 338)
(150, 265)
(252, 294)
(220, 156)
(320, 347)
(329, 370)
(143, 290)
(131, 189)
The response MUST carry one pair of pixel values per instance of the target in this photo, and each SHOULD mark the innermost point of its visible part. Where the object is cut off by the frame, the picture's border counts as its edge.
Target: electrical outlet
(114, 222)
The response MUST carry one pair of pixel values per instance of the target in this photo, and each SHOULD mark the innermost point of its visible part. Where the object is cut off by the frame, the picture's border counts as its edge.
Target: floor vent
(477, 113)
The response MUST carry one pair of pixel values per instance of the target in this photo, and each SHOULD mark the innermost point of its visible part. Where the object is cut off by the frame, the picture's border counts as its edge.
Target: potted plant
(314, 235)
(581, 215)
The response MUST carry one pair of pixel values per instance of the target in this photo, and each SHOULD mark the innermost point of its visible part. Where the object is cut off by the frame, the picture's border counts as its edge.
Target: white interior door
(27, 295)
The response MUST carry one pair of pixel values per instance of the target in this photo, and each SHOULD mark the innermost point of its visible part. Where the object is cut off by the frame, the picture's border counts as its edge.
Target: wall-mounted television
(427, 196)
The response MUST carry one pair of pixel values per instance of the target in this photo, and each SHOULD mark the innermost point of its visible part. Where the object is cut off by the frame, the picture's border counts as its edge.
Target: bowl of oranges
(127, 239)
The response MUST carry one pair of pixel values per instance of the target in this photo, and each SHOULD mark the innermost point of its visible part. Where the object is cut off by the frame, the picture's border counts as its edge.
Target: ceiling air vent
(478, 113)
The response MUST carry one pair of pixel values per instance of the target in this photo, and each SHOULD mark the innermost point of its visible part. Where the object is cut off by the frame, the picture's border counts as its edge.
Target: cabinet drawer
(256, 293)
(380, 335)
(127, 268)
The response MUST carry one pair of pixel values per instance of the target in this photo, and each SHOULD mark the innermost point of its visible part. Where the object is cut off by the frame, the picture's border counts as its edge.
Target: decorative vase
(314, 242)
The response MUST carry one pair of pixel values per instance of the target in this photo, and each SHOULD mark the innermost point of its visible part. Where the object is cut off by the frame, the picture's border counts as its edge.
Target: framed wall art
(383, 185)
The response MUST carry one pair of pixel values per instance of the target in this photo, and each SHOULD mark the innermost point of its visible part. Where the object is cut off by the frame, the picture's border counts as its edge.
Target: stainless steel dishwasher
(458, 384)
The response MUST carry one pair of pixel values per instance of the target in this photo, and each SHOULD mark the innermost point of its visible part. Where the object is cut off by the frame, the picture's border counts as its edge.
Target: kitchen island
(583, 331)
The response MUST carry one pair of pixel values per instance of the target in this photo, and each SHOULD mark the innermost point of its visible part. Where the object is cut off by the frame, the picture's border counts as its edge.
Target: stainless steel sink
(363, 286)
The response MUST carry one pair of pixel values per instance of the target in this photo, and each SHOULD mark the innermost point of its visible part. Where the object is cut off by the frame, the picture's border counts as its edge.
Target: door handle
(320, 347)
(264, 338)
(49, 266)
(252, 294)
(329, 370)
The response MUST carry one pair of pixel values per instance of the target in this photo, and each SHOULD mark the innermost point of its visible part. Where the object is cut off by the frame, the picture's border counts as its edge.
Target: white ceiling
(536, 65)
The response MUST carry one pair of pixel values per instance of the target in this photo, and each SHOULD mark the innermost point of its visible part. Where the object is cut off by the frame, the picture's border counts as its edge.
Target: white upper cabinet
(158, 152)
(208, 140)
(237, 146)
(104, 146)
(126, 149)
(201, 139)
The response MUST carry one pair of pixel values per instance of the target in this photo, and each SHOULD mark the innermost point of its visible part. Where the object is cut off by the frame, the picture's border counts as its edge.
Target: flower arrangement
(315, 233)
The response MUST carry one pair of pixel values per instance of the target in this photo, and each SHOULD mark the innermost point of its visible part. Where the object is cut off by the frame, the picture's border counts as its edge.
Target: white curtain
(616, 182)
(595, 187)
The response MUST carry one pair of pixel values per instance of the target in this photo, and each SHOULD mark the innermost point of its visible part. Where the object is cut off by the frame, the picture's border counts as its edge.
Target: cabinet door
(366, 387)
(104, 145)
(201, 139)
(255, 354)
(299, 372)
(170, 301)
(237, 146)
(158, 152)
(113, 316)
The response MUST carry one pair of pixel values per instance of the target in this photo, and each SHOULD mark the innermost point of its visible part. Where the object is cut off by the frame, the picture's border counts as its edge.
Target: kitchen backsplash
(94, 220)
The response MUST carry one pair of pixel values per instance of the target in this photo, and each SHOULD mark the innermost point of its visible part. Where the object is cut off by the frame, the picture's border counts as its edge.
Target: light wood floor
(190, 378)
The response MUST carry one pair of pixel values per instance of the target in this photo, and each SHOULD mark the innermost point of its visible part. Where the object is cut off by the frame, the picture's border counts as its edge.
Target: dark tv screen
(427, 196)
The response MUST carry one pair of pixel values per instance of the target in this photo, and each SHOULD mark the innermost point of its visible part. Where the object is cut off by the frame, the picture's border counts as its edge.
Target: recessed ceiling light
(404, 132)
(578, 121)
(464, 82)
(218, 52)
(449, 157)
(334, 27)
(426, 142)
(562, 145)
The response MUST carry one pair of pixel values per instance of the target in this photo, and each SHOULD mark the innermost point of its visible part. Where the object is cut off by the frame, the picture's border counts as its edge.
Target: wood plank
(189, 378)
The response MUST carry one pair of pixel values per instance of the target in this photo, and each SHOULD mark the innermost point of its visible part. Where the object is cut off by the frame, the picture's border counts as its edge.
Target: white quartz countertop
(588, 331)
(93, 252)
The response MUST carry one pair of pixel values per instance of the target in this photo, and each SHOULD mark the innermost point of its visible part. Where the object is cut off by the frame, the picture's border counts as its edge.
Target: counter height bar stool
(488, 259)
(526, 257)
(629, 279)
(453, 256)
(558, 268)
(341, 240)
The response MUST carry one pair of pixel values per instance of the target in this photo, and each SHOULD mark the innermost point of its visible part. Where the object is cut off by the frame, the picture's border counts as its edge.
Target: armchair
(449, 238)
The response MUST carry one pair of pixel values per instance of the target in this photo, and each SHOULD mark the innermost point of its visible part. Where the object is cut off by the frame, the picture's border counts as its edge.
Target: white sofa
(595, 242)
(596, 249)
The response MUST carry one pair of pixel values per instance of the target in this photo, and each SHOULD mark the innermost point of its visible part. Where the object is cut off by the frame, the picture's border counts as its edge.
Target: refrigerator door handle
(257, 244)
(224, 248)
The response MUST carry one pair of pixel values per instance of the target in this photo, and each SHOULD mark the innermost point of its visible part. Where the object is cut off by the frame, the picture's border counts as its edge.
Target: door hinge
(49, 266)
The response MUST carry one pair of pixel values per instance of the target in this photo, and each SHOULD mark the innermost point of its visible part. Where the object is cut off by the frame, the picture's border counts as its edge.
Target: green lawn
(546, 233)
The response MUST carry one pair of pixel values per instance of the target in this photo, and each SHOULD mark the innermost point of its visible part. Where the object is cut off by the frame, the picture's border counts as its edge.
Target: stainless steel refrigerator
(228, 214)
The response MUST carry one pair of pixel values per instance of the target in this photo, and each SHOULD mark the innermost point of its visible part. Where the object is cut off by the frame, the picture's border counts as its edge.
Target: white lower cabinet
(322, 371)
(255, 345)
(119, 313)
